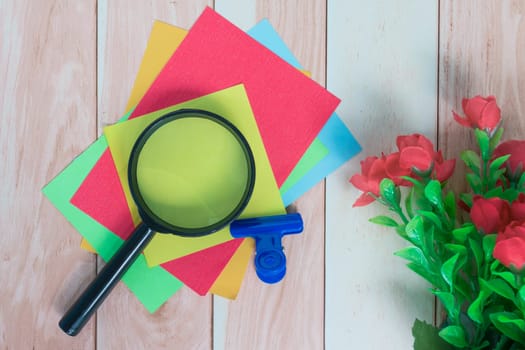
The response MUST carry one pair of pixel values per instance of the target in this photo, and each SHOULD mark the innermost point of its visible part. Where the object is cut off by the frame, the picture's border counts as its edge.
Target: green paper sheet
(313, 155)
(152, 286)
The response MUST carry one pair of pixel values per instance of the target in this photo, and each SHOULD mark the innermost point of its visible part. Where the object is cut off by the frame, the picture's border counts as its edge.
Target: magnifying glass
(191, 172)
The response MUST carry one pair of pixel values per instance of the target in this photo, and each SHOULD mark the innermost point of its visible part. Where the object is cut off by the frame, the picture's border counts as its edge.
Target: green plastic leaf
(456, 248)
(484, 144)
(484, 286)
(498, 162)
(454, 335)
(499, 287)
(433, 218)
(471, 160)
(415, 230)
(461, 234)
(448, 270)
(384, 220)
(474, 182)
(509, 324)
(494, 265)
(426, 274)
(475, 310)
(426, 337)
(450, 205)
(389, 191)
(489, 241)
(413, 254)
(508, 276)
(510, 194)
(477, 251)
(401, 232)
(495, 176)
(521, 293)
(416, 183)
(433, 193)
(449, 303)
(520, 299)
(408, 203)
(496, 137)
(521, 181)
(466, 198)
(430, 241)
(495, 192)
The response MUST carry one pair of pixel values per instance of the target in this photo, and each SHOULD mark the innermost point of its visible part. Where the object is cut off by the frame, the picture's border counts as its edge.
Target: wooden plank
(47, 110)
(288, 315)
(482, 52)
(382, 62)
(123, 323)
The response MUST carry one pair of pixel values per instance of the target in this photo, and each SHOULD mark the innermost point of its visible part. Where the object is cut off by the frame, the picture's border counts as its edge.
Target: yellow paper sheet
(232, 104)
(86, 246)
(228, 283)
(164, 40)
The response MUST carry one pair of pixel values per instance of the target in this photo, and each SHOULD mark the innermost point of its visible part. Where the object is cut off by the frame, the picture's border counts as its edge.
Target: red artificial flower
(516, 149)
(517, 208)
(480, 112)
(415, 140)
(510, 245)
(443, 169)
(490, 215)
(416, 151)
(395, 171)
(373, 170)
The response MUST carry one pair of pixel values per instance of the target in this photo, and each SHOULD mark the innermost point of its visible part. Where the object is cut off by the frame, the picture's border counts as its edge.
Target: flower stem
(399, 212)
(502, 342)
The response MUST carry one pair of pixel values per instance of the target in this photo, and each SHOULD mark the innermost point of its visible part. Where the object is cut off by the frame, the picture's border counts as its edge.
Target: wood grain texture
(184, 322)
(61, 62)
(288, 315)
(382, 62)
(482, 52)
(47, 110)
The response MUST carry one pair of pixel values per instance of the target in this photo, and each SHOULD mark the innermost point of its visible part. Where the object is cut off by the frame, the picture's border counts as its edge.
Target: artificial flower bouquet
(469, 246)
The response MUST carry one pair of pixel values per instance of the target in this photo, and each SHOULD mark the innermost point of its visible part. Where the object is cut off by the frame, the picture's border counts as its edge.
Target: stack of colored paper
(253, 80)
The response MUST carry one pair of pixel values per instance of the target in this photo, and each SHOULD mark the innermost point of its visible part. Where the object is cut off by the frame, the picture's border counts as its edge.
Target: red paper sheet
(289, 107)
(198, 270)
(103, 190)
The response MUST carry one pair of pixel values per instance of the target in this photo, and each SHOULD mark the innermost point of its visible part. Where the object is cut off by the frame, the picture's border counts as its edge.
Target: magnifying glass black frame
(80, 312)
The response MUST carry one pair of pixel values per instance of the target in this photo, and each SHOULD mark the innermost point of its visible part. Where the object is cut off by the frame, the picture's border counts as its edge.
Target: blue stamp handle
(270, 261)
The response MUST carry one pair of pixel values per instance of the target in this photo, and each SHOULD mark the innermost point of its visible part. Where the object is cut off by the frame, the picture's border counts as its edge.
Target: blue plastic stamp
(270, 261)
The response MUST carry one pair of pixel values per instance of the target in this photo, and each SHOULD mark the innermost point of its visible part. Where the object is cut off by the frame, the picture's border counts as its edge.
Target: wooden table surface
(66, 68)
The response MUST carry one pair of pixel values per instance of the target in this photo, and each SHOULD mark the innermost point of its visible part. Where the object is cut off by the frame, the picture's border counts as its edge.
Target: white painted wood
(242, 13)
(382, 62)
(290, 314)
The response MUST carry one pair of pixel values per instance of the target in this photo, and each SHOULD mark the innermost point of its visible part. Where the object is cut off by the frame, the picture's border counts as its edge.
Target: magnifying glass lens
(192, 172)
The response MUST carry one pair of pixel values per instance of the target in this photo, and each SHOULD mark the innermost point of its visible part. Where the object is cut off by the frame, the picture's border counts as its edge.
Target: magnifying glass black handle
(80, 312)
